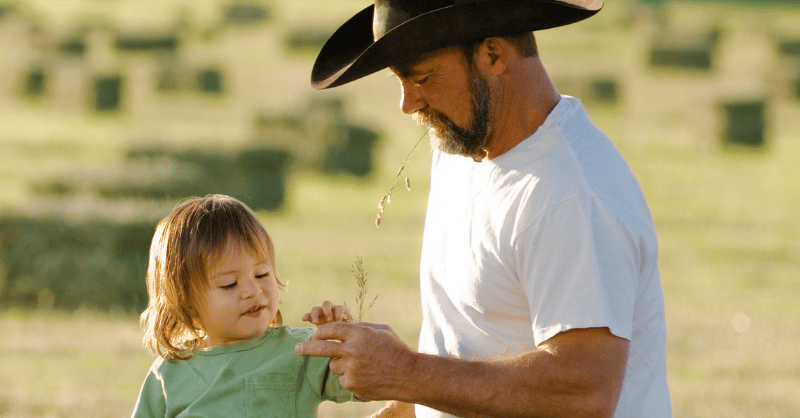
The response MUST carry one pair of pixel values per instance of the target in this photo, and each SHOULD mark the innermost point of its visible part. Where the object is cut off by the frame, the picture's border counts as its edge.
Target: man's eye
(229, 286)
(421, 81)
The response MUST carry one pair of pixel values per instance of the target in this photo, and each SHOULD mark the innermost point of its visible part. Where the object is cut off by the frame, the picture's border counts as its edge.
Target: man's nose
(410, 99)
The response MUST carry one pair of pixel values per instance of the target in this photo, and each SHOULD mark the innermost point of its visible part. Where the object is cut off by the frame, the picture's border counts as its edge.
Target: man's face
(450, 97)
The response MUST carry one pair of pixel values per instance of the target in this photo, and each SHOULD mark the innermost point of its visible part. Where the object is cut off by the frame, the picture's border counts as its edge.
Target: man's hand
(370, 359)
(326, 313)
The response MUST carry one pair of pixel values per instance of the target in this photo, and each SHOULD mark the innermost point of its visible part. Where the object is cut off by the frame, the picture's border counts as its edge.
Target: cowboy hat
(394, 31)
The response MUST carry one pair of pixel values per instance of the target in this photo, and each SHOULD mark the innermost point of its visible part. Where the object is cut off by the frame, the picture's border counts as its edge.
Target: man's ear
(495, 53)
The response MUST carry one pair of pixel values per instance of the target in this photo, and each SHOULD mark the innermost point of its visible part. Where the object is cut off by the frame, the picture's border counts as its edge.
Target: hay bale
(262, 182)
(170, 178)
(64, 263)
(75, 46)
(353, 156)
(256, 175)
(147, 153)
(789, 48)
(108, 93)
(247, 13)
(133, 237)
(147, 43)
(745, 122)
(604, 89)
(210, 81)
(684, 50)
(796, 88)
(35, 83)
(306, 39)
(55, 188)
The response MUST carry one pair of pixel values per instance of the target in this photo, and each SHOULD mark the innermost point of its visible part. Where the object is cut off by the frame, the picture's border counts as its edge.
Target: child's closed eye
(229, 286)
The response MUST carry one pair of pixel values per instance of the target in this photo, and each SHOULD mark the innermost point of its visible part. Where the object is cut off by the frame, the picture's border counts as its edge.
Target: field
(726, 214)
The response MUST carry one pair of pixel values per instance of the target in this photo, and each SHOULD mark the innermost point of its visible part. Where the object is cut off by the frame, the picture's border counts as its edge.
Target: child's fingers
(329, 310)
(314, 315)
(338, 312)
(342, 314)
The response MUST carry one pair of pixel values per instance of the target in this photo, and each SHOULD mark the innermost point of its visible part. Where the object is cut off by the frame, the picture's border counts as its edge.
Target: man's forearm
(498, 388)
(538, 383)
(576, 373)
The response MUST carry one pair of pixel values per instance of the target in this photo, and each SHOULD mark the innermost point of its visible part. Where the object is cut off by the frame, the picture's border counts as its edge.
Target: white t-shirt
(553, 235)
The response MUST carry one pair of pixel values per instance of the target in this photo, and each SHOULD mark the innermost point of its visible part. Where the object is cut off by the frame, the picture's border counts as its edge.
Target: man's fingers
(317, 348)
(337, 366)
(334, 331)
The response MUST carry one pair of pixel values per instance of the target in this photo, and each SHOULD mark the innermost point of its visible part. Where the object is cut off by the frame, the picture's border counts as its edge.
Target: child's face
(242, 298)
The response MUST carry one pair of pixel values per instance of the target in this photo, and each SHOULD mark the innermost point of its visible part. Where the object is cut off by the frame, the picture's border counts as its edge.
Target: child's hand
(328, 312)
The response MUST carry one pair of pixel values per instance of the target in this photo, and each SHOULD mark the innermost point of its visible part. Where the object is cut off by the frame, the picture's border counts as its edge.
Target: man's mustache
(433, 119)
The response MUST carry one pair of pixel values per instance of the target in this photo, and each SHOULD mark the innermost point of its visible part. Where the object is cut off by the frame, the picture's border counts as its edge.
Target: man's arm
(395, 409)
(577, 373)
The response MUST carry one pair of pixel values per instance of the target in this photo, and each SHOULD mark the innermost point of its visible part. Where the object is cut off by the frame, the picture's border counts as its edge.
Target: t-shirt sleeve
(318, 375)
(151, 401)
(333, 390)
(325, 382)
(579, 266)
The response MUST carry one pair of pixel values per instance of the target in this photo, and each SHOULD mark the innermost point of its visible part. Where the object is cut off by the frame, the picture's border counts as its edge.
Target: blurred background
(112, 111)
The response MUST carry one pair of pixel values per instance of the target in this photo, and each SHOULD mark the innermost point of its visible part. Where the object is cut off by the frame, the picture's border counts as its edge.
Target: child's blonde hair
(186, 243)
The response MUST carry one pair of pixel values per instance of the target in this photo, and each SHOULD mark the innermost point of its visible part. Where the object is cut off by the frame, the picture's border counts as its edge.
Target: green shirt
(260, 377)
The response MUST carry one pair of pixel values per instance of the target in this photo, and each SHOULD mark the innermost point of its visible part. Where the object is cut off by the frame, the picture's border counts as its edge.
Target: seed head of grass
(387, 198)
(362, 286)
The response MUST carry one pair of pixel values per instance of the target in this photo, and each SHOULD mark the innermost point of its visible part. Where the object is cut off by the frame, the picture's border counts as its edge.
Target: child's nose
(250, 289)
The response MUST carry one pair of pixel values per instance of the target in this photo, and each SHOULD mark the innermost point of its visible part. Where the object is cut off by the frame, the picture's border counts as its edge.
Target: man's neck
(526, 97)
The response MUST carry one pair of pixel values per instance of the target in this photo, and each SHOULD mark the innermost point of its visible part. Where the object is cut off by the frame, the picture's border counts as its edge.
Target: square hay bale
(354, 156)
(789, 48)
(55, 261)
(35, 83)
(209, 80)
(75, 46)
(262, 181)
(306, 39)
(605, 89)
(796, 89)
(107, 93)
(147, 43)
(745, 122)
(247, 13)
(680, 49)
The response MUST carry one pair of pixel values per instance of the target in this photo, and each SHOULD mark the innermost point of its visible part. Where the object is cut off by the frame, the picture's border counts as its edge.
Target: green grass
(726, 218)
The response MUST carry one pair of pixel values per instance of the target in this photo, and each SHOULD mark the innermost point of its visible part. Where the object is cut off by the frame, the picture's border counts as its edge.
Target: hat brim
(350, 53)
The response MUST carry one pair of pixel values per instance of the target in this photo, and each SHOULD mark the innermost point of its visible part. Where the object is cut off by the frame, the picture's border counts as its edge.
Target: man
(539, 278)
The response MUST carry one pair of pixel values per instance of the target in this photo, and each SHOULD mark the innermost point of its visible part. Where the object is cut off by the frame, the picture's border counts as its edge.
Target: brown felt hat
(391, 32)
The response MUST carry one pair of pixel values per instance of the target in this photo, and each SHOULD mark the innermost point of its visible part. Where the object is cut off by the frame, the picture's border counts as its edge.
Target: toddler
(213, 321)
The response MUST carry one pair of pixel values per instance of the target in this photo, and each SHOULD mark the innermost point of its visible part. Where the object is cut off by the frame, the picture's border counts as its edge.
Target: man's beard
(468, 141)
